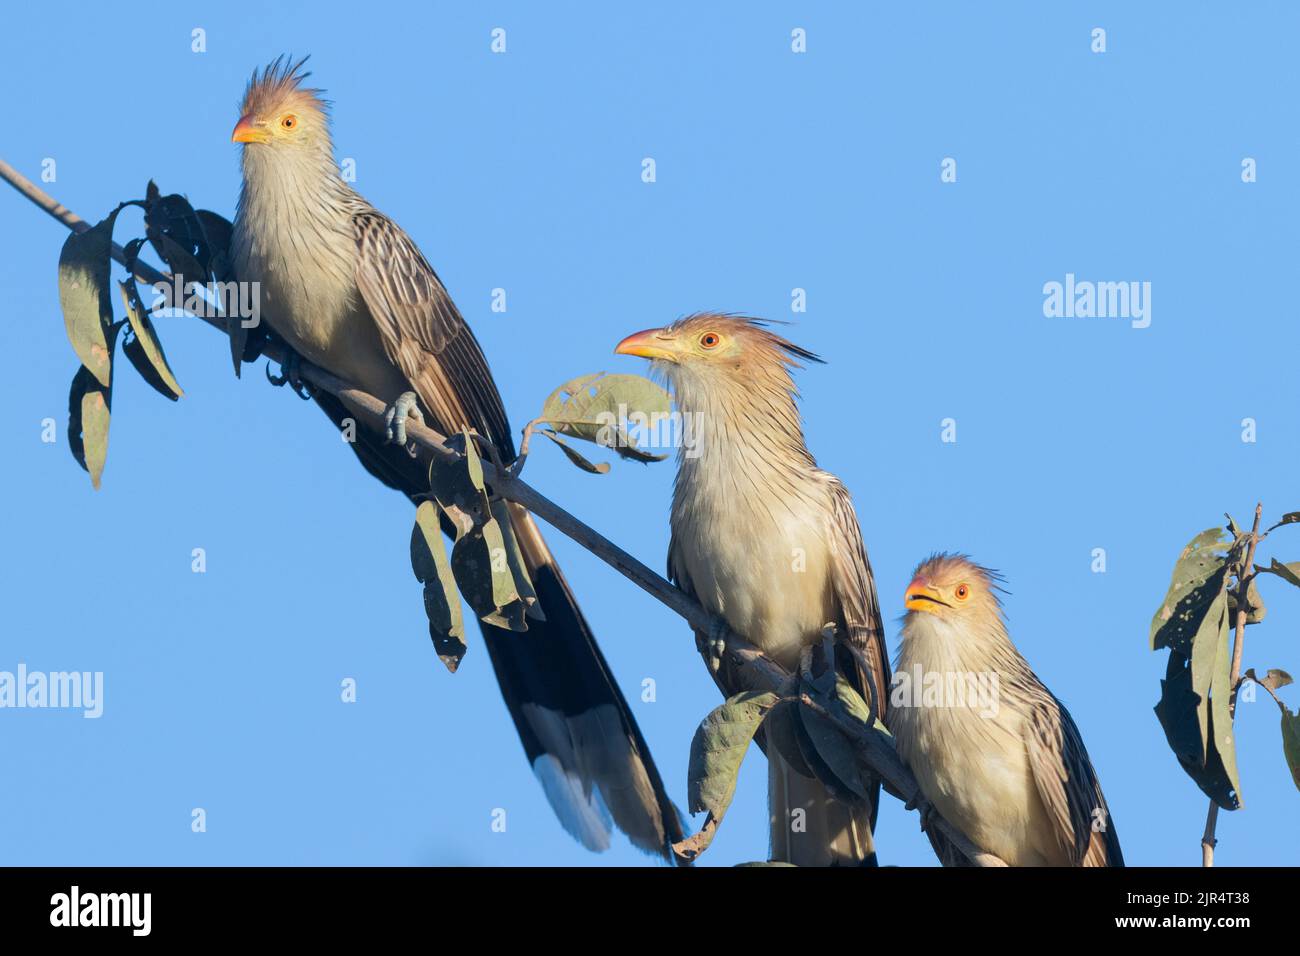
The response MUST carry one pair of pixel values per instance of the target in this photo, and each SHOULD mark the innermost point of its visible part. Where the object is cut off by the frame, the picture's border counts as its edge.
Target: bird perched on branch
(345, 287)
(993, 751)
(769, 543)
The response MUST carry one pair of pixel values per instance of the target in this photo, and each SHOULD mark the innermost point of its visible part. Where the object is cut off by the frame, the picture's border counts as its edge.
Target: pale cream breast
(761, 564)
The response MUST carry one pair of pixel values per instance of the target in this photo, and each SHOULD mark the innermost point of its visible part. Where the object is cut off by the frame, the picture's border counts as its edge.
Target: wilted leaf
(441, 599)
(835, 751)
(458, 487)
(145, 350)
(218, 232)
(482, 569)
(1291, 743)
(177, 235)
(1291, 517)
(1273, 680)
(89, 404)
(1198, 580)
(1289, 573)
(84, 265)
(515, 558)
(596, 469)
(599, 408)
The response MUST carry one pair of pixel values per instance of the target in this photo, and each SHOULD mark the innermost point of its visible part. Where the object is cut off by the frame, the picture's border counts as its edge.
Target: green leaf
(1210, 637)
(84, 265)
(1190, 711)
(717, 751)
(596, 469)
(1291, 743)
(1222, 742)
(89, 404)
(144, 350)
(441, 599)
(719, 747)
(597, 407)
(1198, 579)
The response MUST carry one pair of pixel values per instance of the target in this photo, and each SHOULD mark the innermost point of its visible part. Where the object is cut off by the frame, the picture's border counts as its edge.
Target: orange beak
(651, 344)
(246, 132)
(920, 596)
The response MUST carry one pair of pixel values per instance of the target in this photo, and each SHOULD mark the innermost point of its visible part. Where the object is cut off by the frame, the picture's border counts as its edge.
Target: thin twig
(1244, 577)
(753, 667)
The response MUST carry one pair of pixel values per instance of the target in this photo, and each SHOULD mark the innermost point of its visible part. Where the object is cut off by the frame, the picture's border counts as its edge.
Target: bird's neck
(745, 433)
(292, 184)
(940, 646)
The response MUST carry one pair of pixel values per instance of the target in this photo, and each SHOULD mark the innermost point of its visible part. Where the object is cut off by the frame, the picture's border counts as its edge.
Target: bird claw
(395, 419)
(713, 645)
(290, 375)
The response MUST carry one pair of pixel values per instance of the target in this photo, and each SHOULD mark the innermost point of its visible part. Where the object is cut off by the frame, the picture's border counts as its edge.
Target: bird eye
(709, 340)
(963, 592)
(289, 122)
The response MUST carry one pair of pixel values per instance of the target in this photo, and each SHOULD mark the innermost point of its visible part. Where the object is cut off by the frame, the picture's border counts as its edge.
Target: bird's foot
(395, 419)
(713, 643)
(290, 375)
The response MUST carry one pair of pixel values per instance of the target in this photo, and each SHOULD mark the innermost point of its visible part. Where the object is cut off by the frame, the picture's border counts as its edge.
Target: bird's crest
(759, 329)
(951, 565)
(277, 85)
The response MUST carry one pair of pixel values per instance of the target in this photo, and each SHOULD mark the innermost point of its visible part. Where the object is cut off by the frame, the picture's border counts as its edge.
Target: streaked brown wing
(424, 333)
(1068, 786)
(855, 588)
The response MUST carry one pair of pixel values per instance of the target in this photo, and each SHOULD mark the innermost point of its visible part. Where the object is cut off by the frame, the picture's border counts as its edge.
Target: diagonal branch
(756, 669)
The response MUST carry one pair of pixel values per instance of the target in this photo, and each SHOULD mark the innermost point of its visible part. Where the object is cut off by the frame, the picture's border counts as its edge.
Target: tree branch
(756, 669)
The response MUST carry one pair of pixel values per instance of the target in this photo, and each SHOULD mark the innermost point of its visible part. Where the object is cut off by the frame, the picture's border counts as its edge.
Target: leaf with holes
(601, 408)
(1198, 579)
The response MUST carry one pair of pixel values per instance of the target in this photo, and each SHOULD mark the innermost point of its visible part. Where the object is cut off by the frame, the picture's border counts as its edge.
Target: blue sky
(775, 171)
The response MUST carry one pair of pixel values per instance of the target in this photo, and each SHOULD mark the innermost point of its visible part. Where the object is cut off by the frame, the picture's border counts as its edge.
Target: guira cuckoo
(770, 543)
(345, 287)
(1011, 771)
